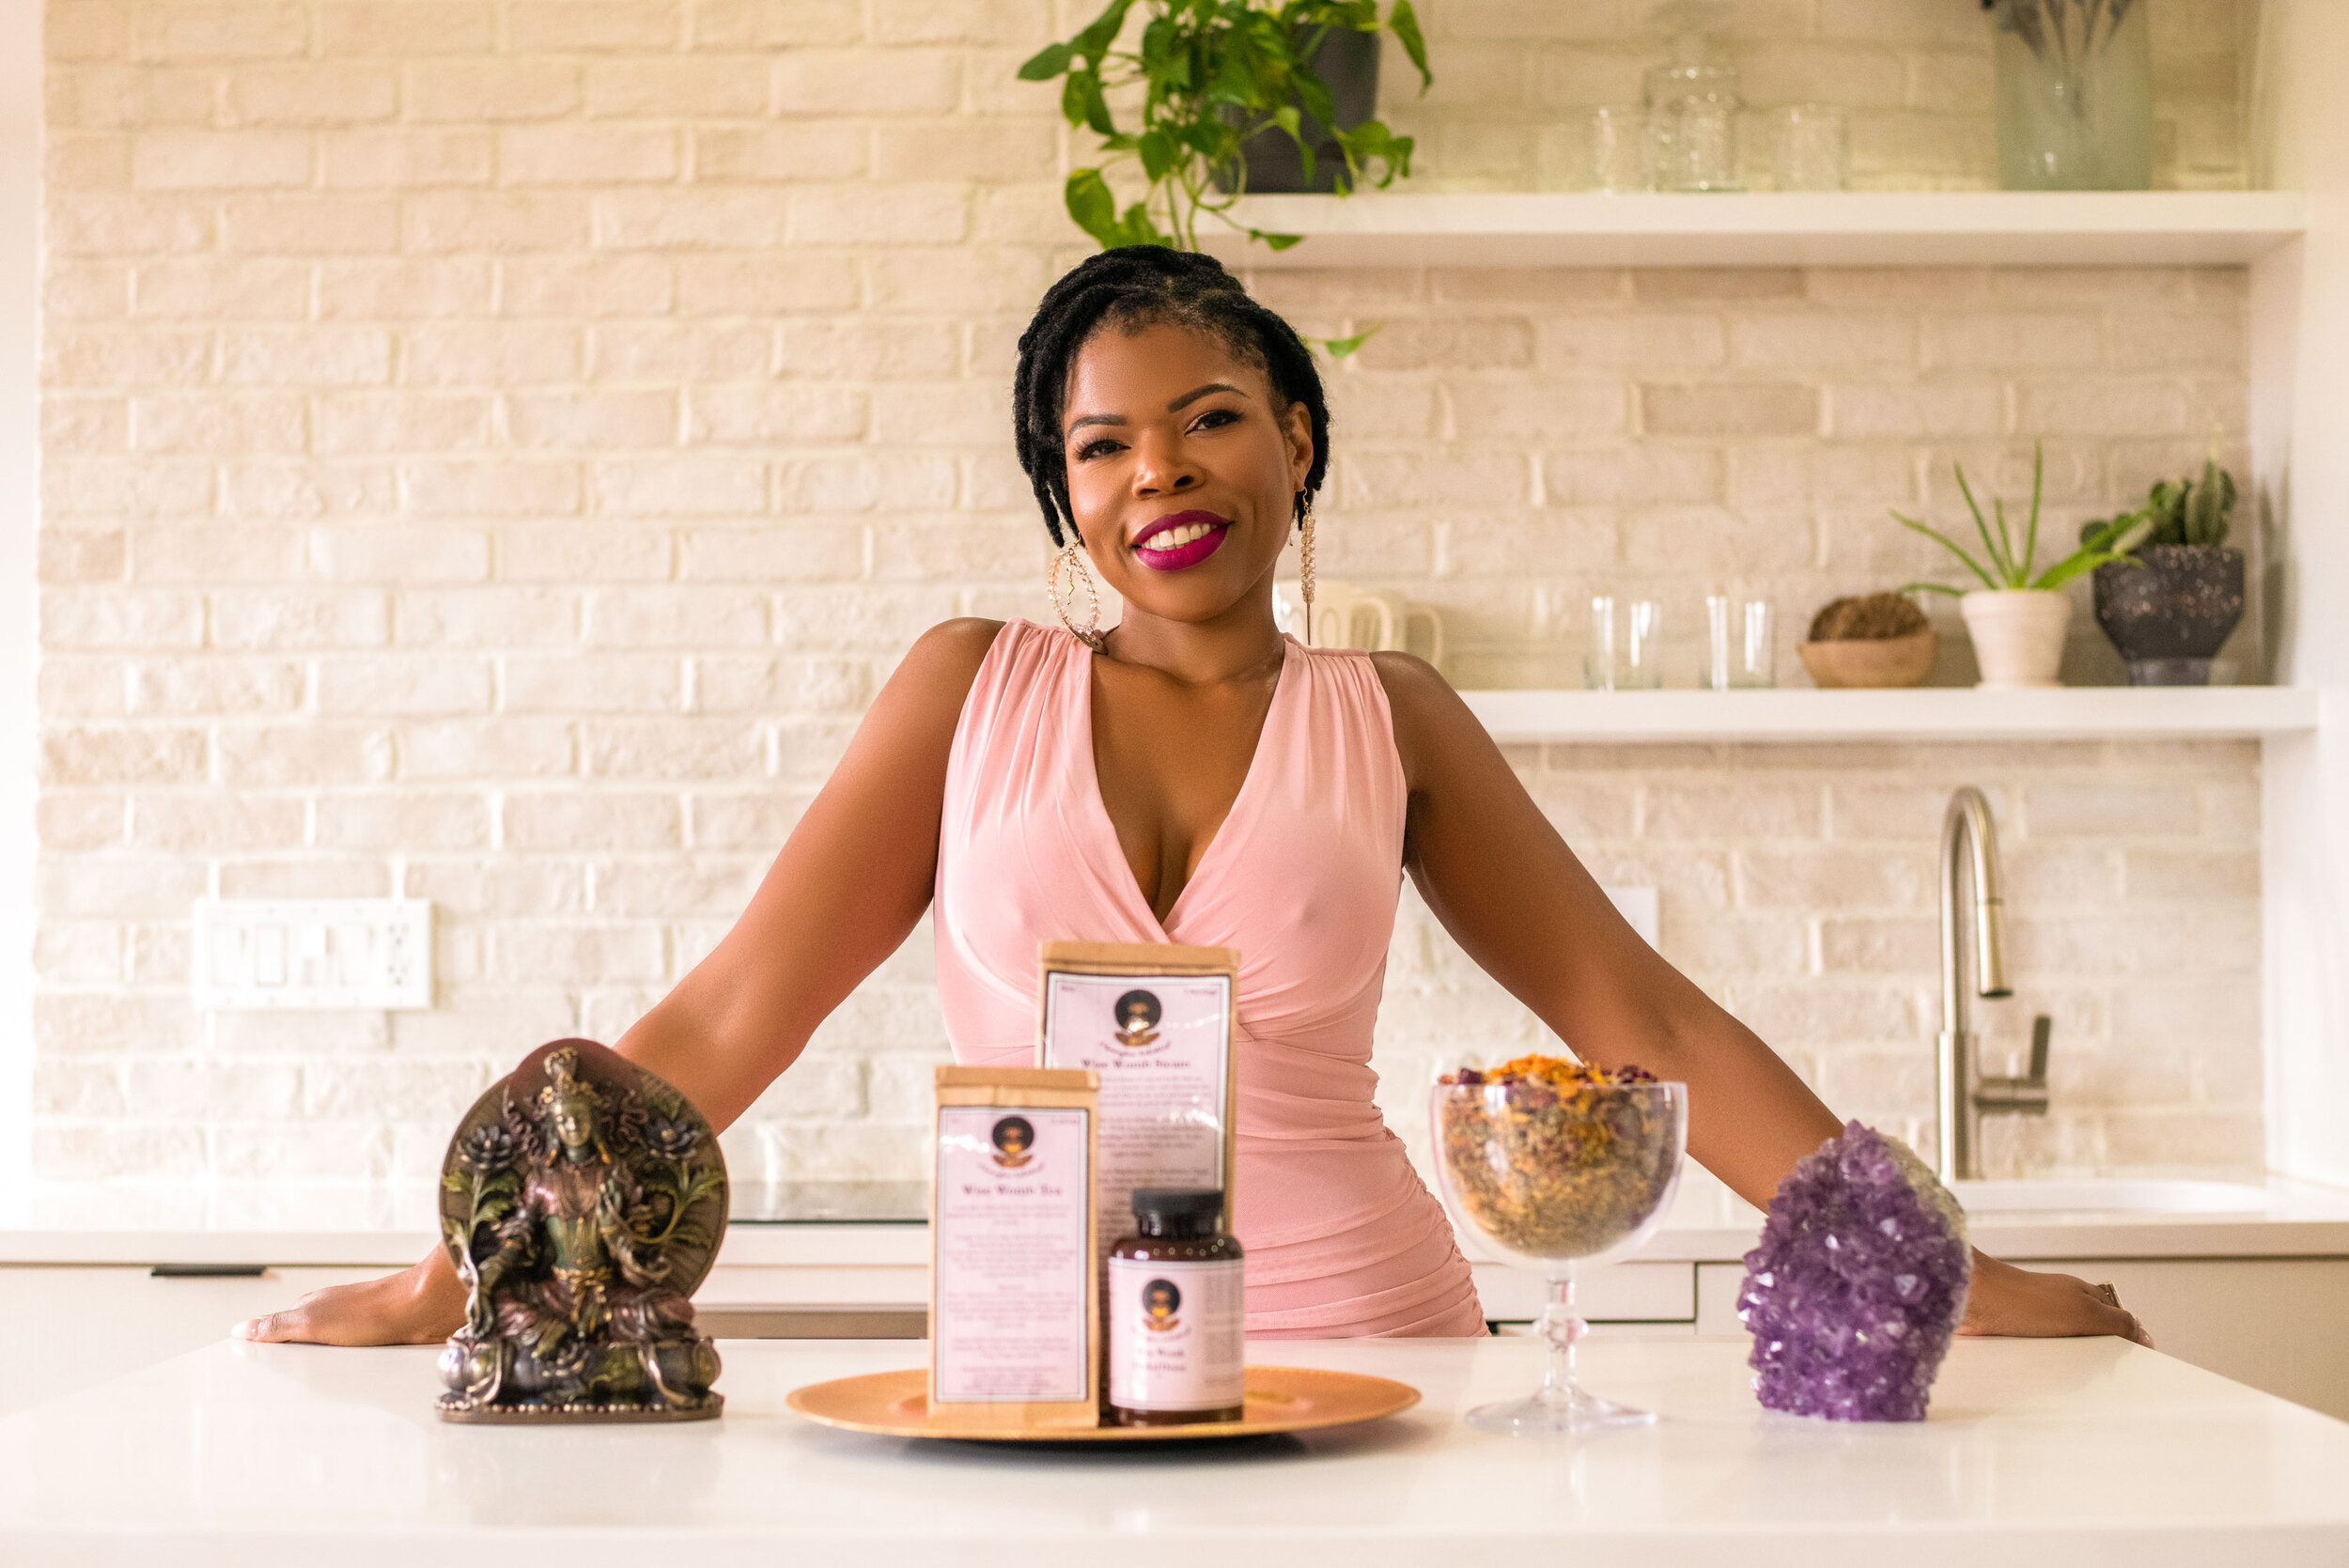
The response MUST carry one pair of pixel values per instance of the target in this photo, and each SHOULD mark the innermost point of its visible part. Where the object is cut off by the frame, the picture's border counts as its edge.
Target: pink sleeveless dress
(1343, 1238)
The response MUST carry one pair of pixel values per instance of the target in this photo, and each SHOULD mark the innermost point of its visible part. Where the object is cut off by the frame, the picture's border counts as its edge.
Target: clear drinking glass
(1811, 148)
(1741, 644)
(1626, 650)
(1554, 1178)
(1692, 127)
(1618, 148)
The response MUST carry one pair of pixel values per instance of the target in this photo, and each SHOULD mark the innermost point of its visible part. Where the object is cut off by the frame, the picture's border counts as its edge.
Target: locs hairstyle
(1129, 289)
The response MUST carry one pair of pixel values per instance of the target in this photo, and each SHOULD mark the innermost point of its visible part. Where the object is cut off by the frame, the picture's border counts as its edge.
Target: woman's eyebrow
(1174, 405)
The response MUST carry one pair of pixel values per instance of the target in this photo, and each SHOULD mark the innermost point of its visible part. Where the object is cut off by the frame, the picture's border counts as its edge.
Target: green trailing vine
(1213, 75)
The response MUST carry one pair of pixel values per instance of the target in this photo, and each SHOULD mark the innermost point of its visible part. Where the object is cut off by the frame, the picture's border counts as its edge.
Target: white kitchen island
(2037, 1452)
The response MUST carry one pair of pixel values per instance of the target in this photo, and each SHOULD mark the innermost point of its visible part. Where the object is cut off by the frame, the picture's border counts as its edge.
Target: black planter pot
(2170, 615)
(1347, 61)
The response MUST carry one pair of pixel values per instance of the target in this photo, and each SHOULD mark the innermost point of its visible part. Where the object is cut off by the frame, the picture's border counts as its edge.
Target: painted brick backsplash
(493, 452)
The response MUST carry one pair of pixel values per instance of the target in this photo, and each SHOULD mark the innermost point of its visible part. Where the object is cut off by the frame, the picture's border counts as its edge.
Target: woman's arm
(849, 884)
(1519, 902)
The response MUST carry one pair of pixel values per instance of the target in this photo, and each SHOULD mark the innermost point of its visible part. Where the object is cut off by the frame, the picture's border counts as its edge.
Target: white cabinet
(2280, 1325)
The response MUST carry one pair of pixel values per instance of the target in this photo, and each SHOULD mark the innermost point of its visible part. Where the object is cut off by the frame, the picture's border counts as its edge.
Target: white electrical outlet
(332, 953)
(1639, 907)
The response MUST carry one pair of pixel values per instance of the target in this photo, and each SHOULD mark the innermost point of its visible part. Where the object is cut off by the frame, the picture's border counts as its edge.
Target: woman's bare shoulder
(936, 673)
(1428, 715)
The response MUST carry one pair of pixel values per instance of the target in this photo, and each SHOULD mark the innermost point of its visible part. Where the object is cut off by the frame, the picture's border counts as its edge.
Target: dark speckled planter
(2170, 617)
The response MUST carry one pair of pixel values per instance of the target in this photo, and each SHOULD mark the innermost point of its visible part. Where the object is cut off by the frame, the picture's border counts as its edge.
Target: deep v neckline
(1107, 825)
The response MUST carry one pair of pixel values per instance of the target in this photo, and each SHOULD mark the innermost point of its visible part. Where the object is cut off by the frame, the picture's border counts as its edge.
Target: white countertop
(2056, 1451)
(389, 1227)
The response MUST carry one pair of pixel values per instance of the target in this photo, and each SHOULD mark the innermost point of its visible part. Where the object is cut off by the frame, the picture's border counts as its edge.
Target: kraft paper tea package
(1014, 1324)
(1155, 1021)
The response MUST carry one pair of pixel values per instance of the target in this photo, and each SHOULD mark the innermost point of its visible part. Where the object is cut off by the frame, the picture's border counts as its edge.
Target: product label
(1160, 1044)
(1176, 1334)
(1009, 1254)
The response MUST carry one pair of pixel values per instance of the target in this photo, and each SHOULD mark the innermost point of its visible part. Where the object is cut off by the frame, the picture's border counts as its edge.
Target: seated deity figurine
(583, 1200)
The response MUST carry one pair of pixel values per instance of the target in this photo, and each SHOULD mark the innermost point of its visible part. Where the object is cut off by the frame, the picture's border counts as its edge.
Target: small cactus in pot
(2170, 607)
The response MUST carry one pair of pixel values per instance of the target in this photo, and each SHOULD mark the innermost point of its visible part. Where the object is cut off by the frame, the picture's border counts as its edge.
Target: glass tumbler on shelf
(1617, 149)
(1740, 649)
(1625, 649)
(1811, 148)
(1692, 127)
(1556, 1178)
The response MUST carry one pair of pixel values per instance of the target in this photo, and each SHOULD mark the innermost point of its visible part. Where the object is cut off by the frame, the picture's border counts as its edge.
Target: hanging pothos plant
(1213, 75)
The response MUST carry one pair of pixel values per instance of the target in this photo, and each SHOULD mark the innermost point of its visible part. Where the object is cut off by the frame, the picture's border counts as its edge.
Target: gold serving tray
(1279, 1399)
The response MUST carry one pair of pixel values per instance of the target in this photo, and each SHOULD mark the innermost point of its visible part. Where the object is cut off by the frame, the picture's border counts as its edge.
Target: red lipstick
(1200, 533)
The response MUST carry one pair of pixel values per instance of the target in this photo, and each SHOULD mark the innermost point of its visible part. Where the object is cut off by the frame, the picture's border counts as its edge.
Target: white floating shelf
(1854, 228)
(1928, 713)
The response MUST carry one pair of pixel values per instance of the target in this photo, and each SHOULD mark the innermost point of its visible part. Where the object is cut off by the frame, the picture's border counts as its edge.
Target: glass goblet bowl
(1553, 1177)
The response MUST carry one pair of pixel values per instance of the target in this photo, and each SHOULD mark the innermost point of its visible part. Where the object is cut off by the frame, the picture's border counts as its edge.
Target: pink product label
(1160, 1044)
(1009, 1255)
(1176, 1334)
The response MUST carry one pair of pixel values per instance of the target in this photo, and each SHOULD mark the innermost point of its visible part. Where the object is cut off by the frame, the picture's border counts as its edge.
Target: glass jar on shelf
(2075, 95)
(1692, 109)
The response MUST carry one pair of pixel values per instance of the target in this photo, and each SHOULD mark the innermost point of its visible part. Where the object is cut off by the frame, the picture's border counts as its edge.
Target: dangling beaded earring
(1305, 559)
(1070, 561)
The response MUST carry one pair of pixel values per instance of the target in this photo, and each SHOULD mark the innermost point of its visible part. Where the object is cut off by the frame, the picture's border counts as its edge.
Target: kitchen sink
(2093, 1195)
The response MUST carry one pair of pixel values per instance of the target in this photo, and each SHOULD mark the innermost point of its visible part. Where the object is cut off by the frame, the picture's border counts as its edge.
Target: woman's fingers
(2013, 1301)
(376, 1311)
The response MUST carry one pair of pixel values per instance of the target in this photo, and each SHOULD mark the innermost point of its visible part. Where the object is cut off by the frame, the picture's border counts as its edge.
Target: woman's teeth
(1174, 538)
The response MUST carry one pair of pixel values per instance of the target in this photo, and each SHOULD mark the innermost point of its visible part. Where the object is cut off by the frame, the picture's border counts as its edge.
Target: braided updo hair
(1131, 287)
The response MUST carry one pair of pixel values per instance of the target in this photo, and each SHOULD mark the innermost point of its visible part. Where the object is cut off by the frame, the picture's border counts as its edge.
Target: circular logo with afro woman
(1136, 1016)
(1160, 1301)
(1015, 1142)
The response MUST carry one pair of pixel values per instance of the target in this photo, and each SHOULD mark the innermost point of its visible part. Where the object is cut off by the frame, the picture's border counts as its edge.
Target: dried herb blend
(1552, 1159)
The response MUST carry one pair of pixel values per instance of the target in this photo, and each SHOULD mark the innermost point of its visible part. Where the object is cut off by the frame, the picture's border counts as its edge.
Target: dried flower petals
(1547, 1160)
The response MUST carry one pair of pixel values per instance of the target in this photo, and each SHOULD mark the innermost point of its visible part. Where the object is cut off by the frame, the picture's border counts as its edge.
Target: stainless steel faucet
(1969, 850)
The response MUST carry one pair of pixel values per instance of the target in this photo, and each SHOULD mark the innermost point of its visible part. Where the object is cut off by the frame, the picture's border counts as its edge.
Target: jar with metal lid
(1177, 1313)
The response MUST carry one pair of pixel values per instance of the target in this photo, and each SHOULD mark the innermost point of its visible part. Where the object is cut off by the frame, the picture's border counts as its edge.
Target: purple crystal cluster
(1858, 1285)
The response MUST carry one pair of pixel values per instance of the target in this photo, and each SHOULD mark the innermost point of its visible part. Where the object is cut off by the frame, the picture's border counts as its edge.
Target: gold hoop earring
(1071, 560)
(1305, 559)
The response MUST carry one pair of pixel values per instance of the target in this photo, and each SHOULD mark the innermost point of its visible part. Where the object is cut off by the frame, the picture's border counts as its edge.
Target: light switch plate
(371, 954)
(1637, 905)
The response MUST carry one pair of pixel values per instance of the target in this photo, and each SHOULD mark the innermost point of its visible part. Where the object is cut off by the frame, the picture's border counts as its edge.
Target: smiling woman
(1193, 775)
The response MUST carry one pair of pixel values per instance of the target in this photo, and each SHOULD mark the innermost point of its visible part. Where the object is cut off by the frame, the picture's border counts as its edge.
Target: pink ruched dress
(1342, 1237)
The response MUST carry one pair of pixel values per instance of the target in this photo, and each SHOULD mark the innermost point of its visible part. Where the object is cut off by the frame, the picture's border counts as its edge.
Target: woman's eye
(1095, 449)
(1214, 417)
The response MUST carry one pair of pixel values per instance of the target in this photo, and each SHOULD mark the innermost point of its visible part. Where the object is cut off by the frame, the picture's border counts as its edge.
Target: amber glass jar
(1176, 1313)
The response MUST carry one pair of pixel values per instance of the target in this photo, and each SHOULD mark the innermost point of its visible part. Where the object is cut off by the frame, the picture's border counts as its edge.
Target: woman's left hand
(2007, 1300)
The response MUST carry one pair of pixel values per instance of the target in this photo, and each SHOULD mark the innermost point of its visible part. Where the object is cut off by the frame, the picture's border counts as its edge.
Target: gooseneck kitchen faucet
(1970, 851)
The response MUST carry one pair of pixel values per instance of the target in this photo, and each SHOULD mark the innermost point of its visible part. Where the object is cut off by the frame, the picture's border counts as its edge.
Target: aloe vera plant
(2005, 568)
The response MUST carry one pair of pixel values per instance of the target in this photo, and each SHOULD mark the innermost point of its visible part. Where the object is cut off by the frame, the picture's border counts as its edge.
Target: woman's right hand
(421, 1305)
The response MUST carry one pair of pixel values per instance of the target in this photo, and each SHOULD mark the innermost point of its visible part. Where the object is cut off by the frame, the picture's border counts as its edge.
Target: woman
(1193, 775)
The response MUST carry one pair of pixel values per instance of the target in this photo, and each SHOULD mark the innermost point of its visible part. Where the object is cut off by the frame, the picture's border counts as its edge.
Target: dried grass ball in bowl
(1867, 618)
(1872, 640)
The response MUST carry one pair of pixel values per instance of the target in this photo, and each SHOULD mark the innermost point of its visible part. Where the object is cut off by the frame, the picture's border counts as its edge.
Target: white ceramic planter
(2018, 635)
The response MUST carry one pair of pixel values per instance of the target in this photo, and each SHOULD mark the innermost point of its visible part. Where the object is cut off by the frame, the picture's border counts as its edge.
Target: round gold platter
(1279, 1399)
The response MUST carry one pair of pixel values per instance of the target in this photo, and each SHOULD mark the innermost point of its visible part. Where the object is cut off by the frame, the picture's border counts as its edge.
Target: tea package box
(1014, 1324)
(1154, 1021)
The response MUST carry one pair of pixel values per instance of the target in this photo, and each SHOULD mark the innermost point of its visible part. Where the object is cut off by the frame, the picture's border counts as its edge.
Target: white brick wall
(495, 450)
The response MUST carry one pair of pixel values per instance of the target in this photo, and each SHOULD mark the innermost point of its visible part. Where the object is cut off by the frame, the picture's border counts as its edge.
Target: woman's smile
(1180, 540)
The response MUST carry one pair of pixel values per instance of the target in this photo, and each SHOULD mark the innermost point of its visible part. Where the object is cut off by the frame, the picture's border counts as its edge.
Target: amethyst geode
(1858, 1284)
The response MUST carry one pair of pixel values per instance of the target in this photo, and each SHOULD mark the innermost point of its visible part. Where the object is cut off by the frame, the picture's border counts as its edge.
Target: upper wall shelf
(1857, 228)
(1930, 713)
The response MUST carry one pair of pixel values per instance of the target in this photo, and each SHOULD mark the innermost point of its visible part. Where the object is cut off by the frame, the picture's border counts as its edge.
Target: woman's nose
(1162, 469)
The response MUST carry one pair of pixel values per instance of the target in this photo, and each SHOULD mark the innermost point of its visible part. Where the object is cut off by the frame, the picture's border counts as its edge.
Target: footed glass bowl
(1551, 1177)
